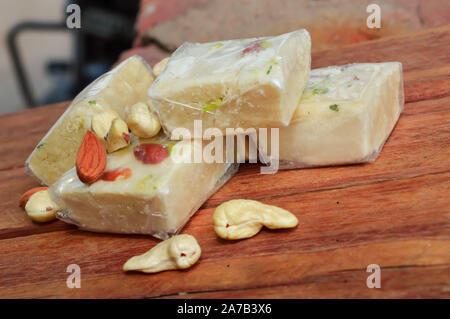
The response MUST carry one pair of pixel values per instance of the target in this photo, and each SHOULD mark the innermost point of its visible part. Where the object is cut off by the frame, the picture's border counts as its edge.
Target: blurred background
(43, 62)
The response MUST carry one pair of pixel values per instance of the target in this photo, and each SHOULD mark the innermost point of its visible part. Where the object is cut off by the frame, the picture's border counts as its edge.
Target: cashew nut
(178, 252)
(40, 208)
(142, 122)
(101, 123)
(159, 67)
(118, 136)
(242, 218)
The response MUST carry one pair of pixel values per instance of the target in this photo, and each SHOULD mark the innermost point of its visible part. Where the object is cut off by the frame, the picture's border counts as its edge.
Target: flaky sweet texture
(123, 86)
(345, 116)
(145, 190)
(236, 83)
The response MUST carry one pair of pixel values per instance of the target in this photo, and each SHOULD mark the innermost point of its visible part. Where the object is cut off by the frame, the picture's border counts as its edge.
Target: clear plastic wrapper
(345, 116)
(236, 83)
(147, 188)
(123, 86)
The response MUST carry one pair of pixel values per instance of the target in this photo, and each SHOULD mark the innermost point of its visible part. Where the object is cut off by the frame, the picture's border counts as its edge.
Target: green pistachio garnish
(40, 145)
(217, 46)
(270, 69)
(320, 91)
(149, 183)
(334, 107)
(170, 147)
(274, 60)
(212, 106)
(265, 44)
(145, 183)
(92, 102)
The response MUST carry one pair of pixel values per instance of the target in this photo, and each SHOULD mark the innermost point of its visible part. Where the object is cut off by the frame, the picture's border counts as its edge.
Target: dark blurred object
(107, 29)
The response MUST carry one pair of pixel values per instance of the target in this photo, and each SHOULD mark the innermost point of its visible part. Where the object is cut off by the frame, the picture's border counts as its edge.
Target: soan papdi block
(123, 86)
(237, 83)
(146, 189)
(345, 116)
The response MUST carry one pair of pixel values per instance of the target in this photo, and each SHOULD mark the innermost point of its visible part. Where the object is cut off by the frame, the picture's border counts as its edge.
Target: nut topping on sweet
(142, 122)
(91, 159)
(118, 136)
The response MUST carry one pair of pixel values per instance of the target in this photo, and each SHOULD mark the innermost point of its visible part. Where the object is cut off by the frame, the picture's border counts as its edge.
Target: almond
(111, 176)
(91, 159)
(26, 196)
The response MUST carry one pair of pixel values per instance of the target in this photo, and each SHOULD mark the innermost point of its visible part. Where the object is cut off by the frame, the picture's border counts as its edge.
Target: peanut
(178, 252)
(242, 218)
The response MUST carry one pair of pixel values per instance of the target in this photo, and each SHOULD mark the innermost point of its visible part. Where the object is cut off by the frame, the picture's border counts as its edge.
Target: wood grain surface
(394, 212)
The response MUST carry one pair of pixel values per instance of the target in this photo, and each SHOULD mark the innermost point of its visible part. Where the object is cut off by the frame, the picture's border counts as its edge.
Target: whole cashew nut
(178, 252)
(242, 218)
(142, 122)
(40, 207)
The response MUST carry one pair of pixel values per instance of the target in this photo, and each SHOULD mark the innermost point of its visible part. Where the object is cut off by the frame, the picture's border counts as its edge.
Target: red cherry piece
(253, 47)
(111, 176)
(150, 153)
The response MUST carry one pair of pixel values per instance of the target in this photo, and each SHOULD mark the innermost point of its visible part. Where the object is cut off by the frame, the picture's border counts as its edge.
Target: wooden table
(394, 212)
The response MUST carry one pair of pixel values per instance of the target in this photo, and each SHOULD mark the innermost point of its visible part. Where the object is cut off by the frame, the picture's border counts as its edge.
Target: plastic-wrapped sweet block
(123, 86)
(146, 189)
(237, 83)
(345, 116)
